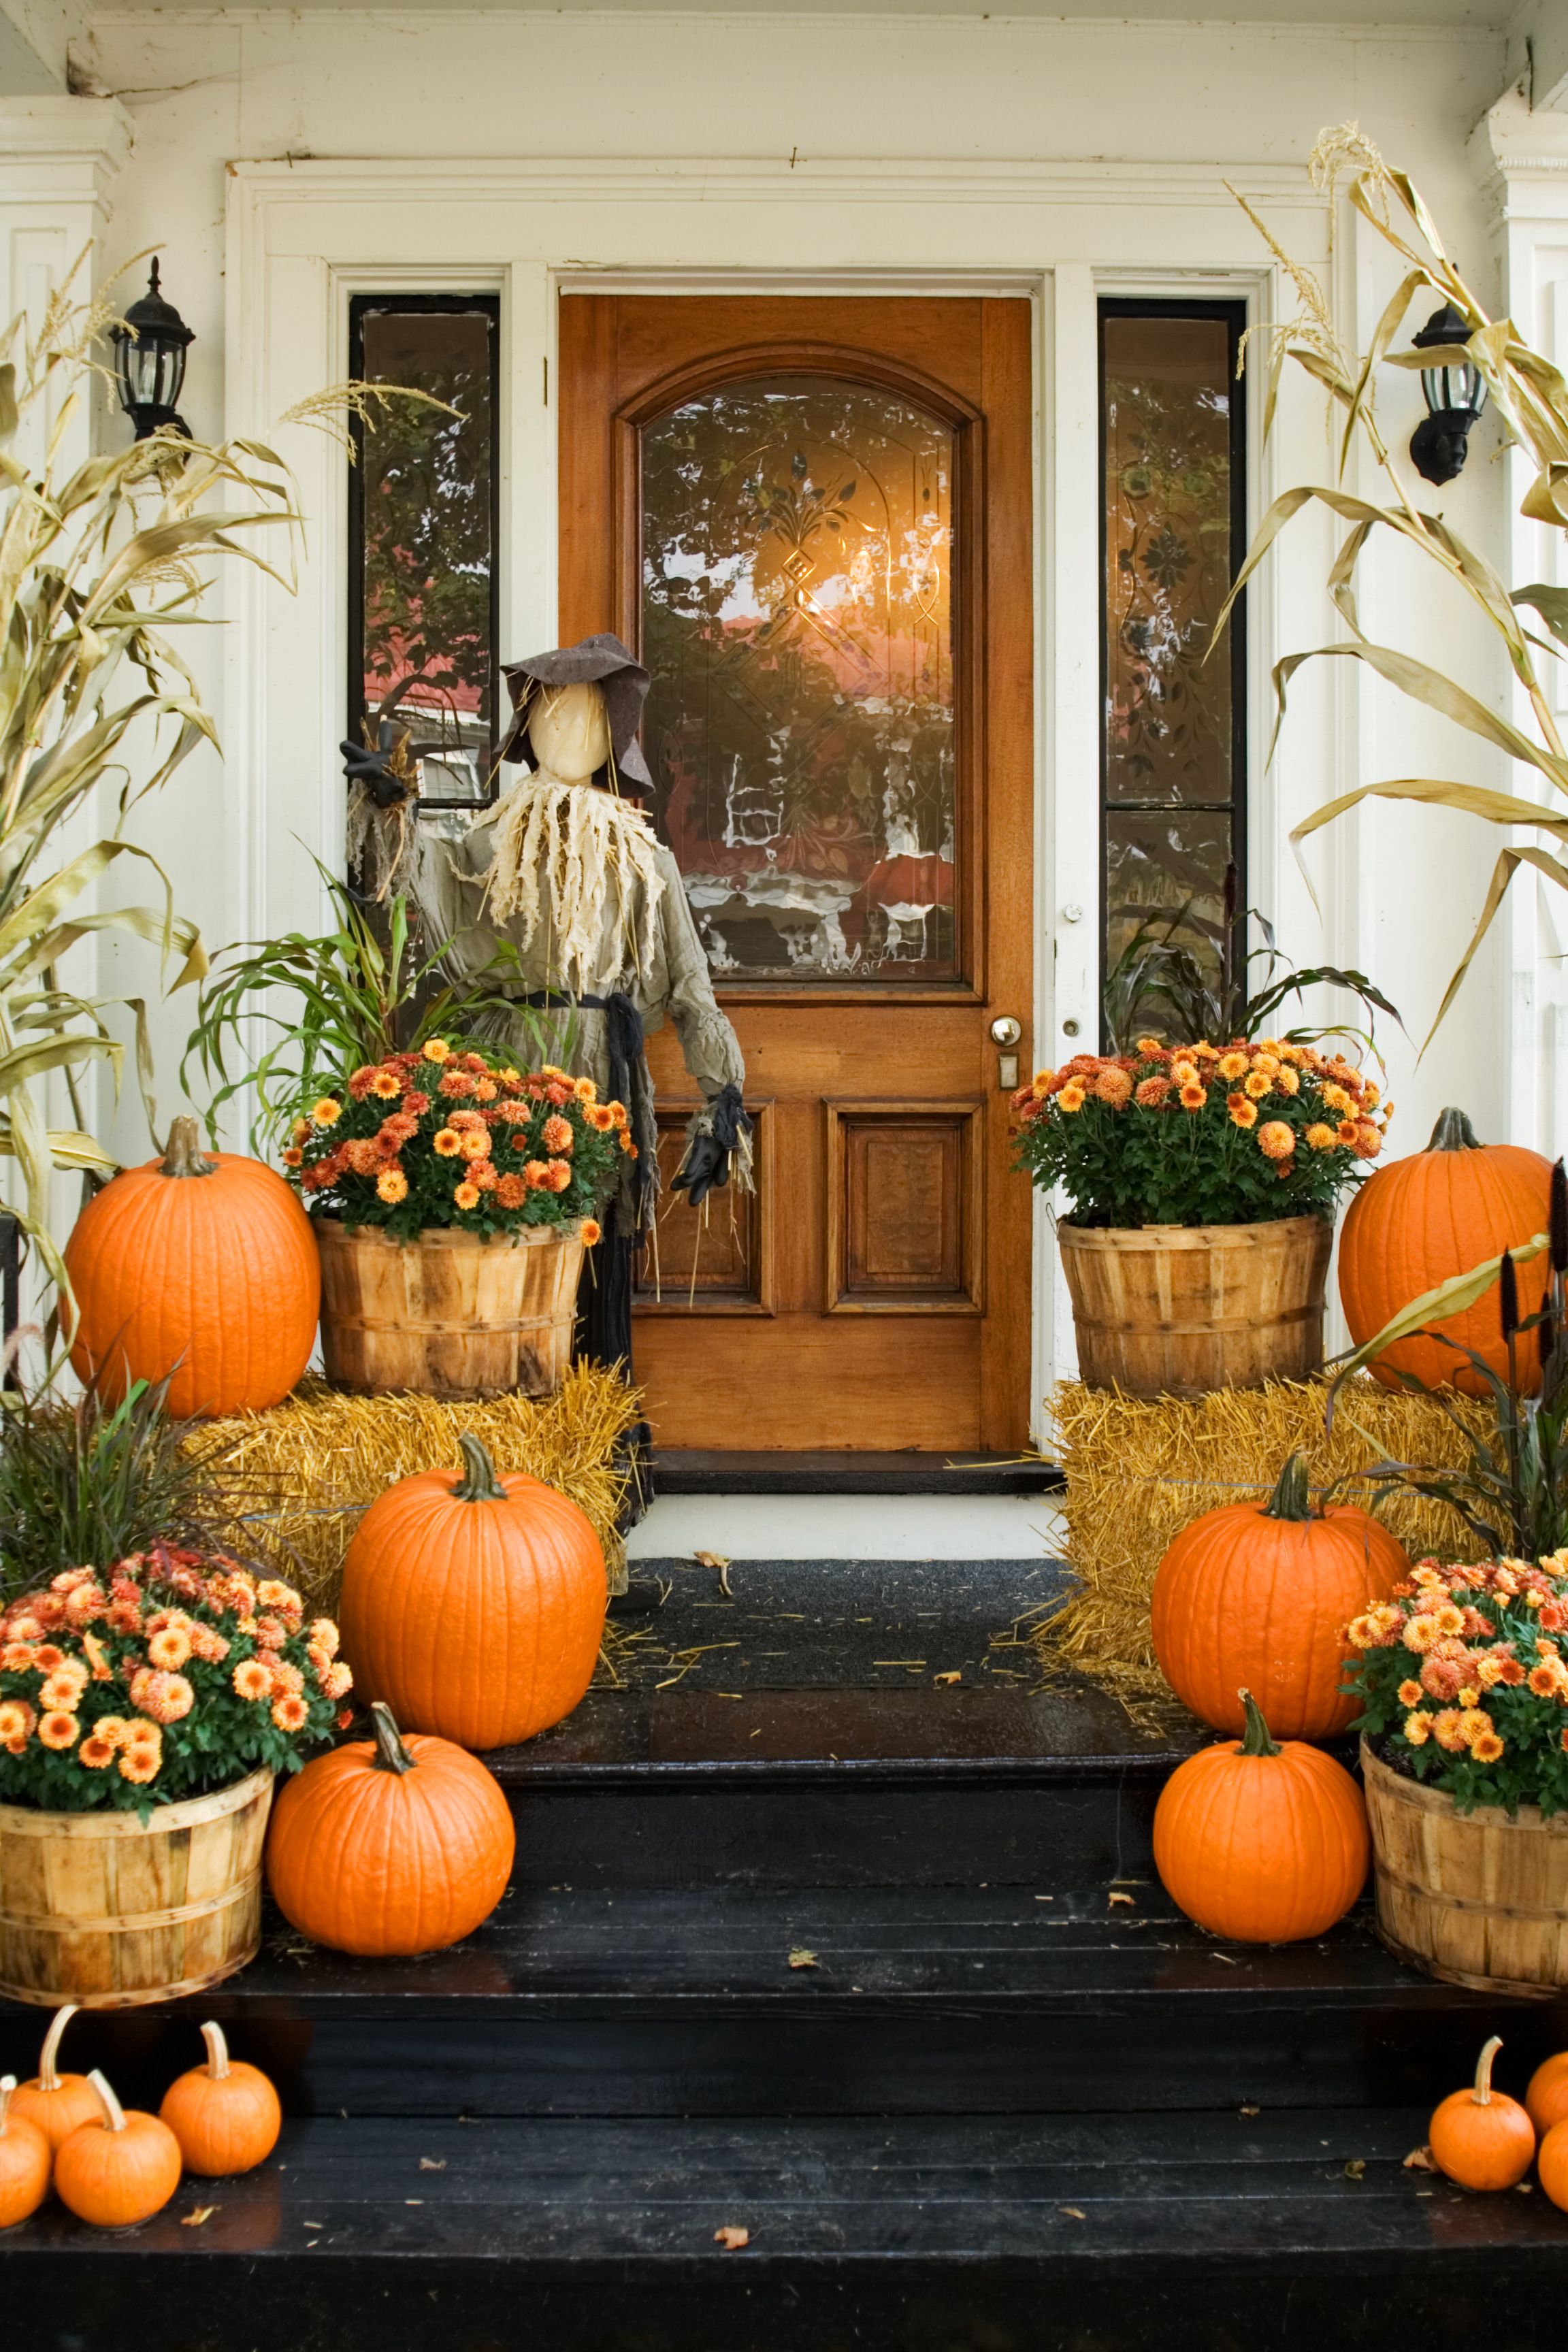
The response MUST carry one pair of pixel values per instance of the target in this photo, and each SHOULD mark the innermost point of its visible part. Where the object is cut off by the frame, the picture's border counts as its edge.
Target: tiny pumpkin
(224, 2115)
(120, 2169)
(201, 1267)
(1552, 2165)
(1260, 1594)
(1480, 2138)
(26, 2158)
(57, 2103)
(389, 1845)
(474, 1604)
(1546, 2095)
(1259, 1841)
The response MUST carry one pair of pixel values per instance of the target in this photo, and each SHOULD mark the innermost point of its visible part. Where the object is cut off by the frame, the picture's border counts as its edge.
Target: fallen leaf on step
(731, 2237)
(1419, 2160)
(432, 2163)
(801, 1959)
(1073, 2212)
(194, 2220)
(1248, 2109)
(1356, 2168)
(1525, 2188)
(947, 1680)
(1112, 1900)
(712, 1558)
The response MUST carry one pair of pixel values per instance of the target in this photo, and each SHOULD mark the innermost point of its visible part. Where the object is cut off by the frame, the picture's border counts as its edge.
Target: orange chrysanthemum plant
(1200, 1135)
(1463, 1681)
(449, 1136)
(173, 1675)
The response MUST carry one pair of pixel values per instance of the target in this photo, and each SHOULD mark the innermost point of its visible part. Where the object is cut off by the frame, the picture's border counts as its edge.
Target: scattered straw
(1138, 1473)
(329, 1455)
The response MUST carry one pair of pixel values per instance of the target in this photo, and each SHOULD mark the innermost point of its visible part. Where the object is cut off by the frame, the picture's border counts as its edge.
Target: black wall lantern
(1454, 398)
(150, 364)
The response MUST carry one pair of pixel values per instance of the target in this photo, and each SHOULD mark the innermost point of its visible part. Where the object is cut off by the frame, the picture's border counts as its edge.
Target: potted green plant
(151, 1689)
(1202, 1182)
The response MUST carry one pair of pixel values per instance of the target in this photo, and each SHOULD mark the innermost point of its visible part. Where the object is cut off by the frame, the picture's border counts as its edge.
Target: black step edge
(702, 1472)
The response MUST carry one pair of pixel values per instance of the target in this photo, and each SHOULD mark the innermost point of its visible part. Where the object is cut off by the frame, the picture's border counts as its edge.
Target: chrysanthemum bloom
(1369, 1143)
(482, 1172)
(1242, 1112)
(252, 1680)
(1441, 1679)
(1193, 1096)
(59, 1729)
(291, 1714)
(1277, 1139)
(475, 1143)
(170, 1648)
(1420, 1632)
(16, 1658)
(435, 1049)
(1348, 1132)
(362, 1156)
(141, 1764)
(96, 1752)
(1471, 1695)
(558, 1175)
(512, 1192)
(600, 1115)
(586, 1090)
(86, 1604)
(455, 1083)
(1417, 1729)
(557, 1134)
(271, 1633)
(1475, 1723)
(1071, 1097)
(1448, 1731)
(112, 1727)
(1232, 1066)
(292, 1155)
(1112, 1085)
(16, 1721)
(1184, 1073)
(208, 1644)
(1257, 1084)
(589, 1231)
(287, 1678)
(1321, 1138)
(1336, 1097)
(628, 1147)
(536, 1176)
(1409, 1694)
(1487, 1748)
(617, 1111)
(299, 1131)
(392, 1186)
(485, 1090)
(1450, 1622)
(362, 1080)
(1150, 1049)
(324, 1634)
(338, 1680)
(509, 1076)
(385, 1085)
(414, 1104)
(466, 1196)
(327, 1112)
(1148, 1092)
(447, 1142)
(1286, 1081)
(167, 1698)
(558, 1092)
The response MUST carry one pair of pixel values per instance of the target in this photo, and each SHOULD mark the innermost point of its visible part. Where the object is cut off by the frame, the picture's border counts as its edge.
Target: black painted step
(906, 2002)
(697, 1471)
(1100, 2233)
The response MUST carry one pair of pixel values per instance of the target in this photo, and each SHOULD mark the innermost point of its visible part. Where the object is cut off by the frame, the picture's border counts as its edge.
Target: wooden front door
(812, 518)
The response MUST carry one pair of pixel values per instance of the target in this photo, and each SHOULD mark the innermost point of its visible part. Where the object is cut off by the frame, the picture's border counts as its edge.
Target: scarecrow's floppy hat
(600, 660)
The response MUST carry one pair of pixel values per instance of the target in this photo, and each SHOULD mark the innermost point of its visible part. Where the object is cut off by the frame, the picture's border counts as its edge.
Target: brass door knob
(1005, 1031)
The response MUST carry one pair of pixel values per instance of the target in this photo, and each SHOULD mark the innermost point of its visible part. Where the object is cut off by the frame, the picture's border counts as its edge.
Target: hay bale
(1139, 1472)
(301, 1473)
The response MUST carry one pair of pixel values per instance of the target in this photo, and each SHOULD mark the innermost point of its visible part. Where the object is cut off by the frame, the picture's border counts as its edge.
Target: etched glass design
(797, 618)
(422, 551)
(1171, 827)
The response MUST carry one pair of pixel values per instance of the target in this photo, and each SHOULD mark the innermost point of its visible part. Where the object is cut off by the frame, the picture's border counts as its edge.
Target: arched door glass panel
(798, 621)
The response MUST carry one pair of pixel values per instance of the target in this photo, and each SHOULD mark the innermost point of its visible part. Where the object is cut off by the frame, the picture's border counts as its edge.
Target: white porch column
(60, 157)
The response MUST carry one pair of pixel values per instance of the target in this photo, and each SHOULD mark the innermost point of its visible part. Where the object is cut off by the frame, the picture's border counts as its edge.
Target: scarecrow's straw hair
(330, 1454)
(585, 866)
(1138, 1473)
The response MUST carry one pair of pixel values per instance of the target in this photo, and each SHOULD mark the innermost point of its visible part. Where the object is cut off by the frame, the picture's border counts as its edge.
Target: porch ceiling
(1484, 16)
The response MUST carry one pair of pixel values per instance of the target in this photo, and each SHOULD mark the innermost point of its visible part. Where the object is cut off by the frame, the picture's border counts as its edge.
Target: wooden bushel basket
(1476, 1899)
(1180, 1311)
(97, 1909)
(448, 1314)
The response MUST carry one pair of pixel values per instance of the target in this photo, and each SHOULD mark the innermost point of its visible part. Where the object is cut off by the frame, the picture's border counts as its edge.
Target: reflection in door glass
(798, 620)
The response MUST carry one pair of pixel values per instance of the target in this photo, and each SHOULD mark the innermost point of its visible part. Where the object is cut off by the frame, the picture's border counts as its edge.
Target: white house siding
(1058, 156)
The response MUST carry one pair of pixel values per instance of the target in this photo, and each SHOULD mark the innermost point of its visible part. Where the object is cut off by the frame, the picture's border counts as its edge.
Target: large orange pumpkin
(205, 1267)
(474, 1604)
(390, 1845)
(1263, 1843)
(1260, 1594)
(1419, 1222)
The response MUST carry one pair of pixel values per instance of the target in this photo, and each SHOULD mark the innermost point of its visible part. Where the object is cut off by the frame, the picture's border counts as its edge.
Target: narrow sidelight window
(423, 501)
(1172, 764)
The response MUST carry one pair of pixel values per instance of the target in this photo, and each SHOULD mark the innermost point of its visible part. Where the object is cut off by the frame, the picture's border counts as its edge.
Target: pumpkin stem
(217, 2051)
(1256, 1740)
(184, 1156)
(1453, 1132)
(7, 2085)
(478, 1483)
(1291, 1498)
(391, 1755)
(114, 2113)
(1482, 2094)
(48, 2056)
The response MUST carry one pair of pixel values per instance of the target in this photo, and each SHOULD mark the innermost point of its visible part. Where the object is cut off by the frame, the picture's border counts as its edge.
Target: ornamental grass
(1137, 1472)
(330, 1454)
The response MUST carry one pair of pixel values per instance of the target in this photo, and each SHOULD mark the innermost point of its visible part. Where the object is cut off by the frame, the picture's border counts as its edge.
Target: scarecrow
(572, 877)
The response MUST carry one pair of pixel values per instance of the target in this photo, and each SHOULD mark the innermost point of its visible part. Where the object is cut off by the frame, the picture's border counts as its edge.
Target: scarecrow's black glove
(707, 1164)
(364, 766)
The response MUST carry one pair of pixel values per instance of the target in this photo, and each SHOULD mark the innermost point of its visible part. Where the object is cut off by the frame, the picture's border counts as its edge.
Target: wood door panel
(716, 1259)
(875, 1292)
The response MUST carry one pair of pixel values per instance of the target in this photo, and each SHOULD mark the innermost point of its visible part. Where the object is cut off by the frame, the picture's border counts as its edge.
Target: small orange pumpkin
(1552, 2165)
(1546, 2096)
(224, 2115)
(389, 1845)
(1481, 2138)
(1261, 1842)
(204, 1268)
(1260, 1594)
(1420, 1221)
(120, 2169)
(26, 2158)
(57, 2103)
(474, 1604)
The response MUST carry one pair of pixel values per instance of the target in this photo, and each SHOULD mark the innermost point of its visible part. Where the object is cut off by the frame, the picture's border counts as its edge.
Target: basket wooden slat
(448, 1314)
(1178, 1311)
(1478, 1899)
(97, 1909)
